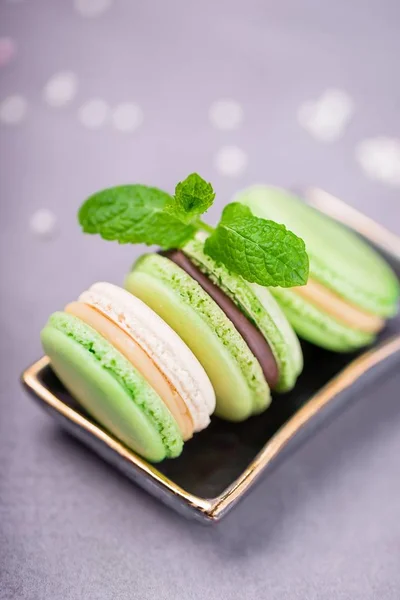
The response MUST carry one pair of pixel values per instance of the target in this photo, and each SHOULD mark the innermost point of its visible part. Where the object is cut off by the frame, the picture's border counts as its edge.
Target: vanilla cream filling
(348, 314)
(139, 359)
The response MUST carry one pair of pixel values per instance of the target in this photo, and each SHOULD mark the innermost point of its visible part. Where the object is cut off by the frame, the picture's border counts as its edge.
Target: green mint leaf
(133, 214)
(261, 251)
(193, 197)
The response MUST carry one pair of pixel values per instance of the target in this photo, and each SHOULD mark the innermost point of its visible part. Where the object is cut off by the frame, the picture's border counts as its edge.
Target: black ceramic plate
(223, 462)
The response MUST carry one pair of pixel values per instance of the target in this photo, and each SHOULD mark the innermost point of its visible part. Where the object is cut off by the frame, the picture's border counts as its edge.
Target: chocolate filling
(249, 332)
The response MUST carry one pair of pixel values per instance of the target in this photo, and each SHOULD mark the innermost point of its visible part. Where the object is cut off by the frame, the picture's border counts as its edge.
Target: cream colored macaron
(156, 351)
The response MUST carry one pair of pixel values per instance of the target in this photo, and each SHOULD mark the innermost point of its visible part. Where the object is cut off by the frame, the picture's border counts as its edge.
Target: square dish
(224, 461)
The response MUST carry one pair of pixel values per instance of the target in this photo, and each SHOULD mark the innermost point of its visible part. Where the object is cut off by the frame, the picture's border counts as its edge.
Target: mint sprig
(193, 197)
(259, 250)
(134, 214)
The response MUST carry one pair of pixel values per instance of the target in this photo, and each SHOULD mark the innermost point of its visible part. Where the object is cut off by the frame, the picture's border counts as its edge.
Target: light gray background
(326, 524)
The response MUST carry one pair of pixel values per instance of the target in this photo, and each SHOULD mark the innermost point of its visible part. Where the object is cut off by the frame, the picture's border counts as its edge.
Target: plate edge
(30, 380)
(345, 379)
(214, 509)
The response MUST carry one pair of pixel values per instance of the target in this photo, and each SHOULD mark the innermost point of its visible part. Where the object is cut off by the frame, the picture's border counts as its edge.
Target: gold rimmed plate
(223, 462)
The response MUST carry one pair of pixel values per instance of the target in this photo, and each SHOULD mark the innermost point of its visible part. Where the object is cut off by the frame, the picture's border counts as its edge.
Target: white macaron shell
(168, 351)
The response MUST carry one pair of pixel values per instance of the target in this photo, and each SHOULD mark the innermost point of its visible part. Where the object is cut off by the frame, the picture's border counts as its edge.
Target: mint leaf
(133, 214)
(261, 251)
(193, 197)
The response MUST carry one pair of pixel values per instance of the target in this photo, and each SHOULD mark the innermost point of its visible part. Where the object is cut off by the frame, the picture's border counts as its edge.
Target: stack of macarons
(151, 366)
(130, 371)
(188, 338)
(236, 329)
(351, 290)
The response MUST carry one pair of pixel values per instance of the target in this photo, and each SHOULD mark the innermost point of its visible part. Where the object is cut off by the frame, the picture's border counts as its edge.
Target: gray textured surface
(326, 523)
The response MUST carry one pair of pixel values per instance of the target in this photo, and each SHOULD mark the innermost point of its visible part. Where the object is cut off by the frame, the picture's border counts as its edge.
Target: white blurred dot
(61, 89)
(13, 110)
(42, 223)
(93, 113)
(226, 114)
(231, 161)
(127, 116)
(92, 8)
(327, 117)
(379, 158)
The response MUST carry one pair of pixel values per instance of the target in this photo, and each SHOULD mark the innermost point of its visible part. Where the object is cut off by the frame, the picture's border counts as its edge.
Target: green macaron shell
(234, 371)
(260, 308)
(318, 327)
(339, 259)
(110, 388)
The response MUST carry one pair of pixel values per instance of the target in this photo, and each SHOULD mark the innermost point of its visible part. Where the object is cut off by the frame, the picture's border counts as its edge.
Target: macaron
(351, 290)
(130, 371)
(236, 329)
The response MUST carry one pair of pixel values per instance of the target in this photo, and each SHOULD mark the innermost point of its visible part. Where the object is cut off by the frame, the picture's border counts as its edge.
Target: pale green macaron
(341, 263)
(110, 388)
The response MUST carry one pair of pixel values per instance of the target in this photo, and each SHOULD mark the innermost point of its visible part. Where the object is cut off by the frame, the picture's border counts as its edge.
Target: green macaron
(260, 307)
(342, 266)
(235, 373)
(109, 387)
